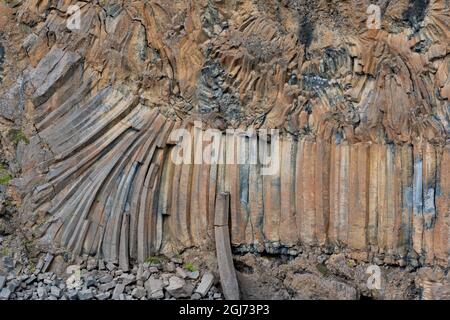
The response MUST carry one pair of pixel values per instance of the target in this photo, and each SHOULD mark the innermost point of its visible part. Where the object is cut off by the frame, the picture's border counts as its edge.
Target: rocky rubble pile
(91, 279)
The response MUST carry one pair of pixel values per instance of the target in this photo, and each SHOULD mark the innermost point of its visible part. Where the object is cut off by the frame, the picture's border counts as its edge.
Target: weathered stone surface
(154, 288)
(227, 272)
(138, 292)
(107, 286)
(5, 293)
(363, 116)
(313, 287)
(55, 292)
(118, 290)
(342, 105)
(177, 288)
(103, 296)
(193, 274)
(205, 284)
(85, 294)
(2, 281)
(42, 292)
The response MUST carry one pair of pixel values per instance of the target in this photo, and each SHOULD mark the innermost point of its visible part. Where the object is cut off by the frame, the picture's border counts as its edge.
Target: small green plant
(190, 267)
(28, 244)
(322, 269)
(18, 135)
(31, 266)
(5, 179)
(4, 252)
(155, 259)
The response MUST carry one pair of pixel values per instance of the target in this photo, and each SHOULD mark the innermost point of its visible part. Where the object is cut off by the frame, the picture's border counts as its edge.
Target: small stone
(213, 290)
(196, 296)
(165, 278)
(103, 296)
(42, 293)
(127, 279)
(90, 281)
(2, 282)
(39, 265)
(138, 292)
(31, 279)
(181, 273)
(110, 266)
(118, 290)
(160, 266)
(91, 264)
(205, 284)
(177, 260)
(217, 295)
(153, 270)
(106, 278)
(13, 285)
(193, 274)
(5, 293)
(145, 275)
(176, 287)
(107, 286)
(41, 277)
(47, 261)
(55, 292)
(170, 267)
(189, 289)
(152, 285)
(157, 295)
(8, 263)
(85, 294)
(217, 29)
(377, 261)
(72, 294)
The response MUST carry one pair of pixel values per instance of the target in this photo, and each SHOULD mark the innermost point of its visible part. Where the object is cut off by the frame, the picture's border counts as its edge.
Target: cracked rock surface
(86, 117)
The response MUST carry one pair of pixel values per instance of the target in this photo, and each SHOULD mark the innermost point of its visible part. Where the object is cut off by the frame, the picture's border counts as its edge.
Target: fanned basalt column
(363, 115)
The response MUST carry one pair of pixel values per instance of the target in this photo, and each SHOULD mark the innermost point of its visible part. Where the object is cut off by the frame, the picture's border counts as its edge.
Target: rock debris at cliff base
(86, 115)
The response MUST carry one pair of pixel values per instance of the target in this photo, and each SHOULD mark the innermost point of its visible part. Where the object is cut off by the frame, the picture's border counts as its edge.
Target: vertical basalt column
(227, 272)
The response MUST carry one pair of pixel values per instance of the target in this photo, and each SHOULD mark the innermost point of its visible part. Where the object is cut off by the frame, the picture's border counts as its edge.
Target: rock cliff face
(364, 121)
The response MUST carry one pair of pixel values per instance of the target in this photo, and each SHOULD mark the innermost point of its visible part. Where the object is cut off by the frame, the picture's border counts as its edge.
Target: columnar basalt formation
(364, 121)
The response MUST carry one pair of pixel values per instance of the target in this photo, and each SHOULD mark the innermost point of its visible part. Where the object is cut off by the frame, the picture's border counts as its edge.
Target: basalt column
(361, 115)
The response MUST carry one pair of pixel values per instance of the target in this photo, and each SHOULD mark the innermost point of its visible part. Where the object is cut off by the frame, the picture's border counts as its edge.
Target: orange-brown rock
(363, 118)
